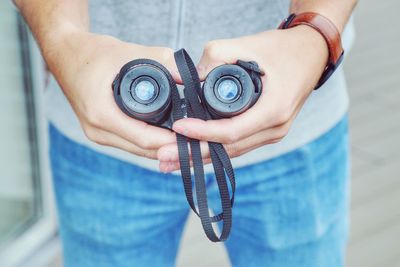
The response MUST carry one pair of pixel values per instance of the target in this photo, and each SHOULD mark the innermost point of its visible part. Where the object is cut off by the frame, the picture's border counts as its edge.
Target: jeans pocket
(299, 202)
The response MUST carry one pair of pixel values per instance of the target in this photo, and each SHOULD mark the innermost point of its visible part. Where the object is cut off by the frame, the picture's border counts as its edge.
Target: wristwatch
(330, 33)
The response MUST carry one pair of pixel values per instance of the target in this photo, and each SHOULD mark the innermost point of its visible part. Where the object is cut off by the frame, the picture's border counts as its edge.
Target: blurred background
(28, 230)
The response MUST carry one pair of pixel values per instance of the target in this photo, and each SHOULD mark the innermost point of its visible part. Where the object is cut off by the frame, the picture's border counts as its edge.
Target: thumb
(170, 64)
(164, 56)
(215, 53)
(224, 51)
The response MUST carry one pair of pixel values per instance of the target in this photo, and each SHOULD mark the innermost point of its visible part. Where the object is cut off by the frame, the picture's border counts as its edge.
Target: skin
(61, 29)
(293, 60)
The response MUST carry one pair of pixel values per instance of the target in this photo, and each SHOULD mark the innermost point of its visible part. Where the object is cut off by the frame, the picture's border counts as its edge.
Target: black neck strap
(220, 159)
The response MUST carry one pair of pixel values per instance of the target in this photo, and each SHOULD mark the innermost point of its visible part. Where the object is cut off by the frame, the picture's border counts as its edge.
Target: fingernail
(165, 169)
(201, 69)
(167, 156)
(169, 168)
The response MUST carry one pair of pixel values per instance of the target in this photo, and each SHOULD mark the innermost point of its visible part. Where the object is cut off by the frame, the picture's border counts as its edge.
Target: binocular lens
(143, 87)
(144, 90)
(228, 89)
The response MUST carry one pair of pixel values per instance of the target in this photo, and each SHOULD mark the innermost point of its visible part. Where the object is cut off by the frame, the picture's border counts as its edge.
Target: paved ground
(373, 71)
(374, 78)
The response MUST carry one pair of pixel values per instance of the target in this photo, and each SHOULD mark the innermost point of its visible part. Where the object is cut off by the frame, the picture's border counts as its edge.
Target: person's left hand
(293, 61)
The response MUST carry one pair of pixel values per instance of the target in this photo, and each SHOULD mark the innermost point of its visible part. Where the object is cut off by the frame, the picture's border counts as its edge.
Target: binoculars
(143, 87)
(145, 90)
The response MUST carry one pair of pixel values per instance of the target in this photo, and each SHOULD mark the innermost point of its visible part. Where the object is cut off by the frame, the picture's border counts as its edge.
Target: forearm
(51, 20)
(338, 11)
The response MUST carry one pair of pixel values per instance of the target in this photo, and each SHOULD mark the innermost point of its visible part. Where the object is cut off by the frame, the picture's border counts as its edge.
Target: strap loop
(220, 159)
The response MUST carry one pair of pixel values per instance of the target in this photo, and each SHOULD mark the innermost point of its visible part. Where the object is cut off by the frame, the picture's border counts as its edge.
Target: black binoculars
(145, 90)
(142, 90)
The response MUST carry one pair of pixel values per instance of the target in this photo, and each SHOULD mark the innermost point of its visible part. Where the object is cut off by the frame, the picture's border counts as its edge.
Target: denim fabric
(289, 211)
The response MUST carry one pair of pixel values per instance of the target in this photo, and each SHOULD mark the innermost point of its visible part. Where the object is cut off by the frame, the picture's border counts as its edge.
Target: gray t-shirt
(190, 24)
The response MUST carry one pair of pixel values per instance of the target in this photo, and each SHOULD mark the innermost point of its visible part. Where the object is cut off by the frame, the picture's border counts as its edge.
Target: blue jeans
(289, 211)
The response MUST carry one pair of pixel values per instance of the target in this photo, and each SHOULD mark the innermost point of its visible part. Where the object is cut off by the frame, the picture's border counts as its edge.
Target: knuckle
(138, 153)
(91, 133)
(282, 116)
(93, 118)
(151, 154)
(282, 132)
(232, 137)
(233, 150)
(274, 141)
(212, 49)
(200, 135)
(145, 143)
(166, 54)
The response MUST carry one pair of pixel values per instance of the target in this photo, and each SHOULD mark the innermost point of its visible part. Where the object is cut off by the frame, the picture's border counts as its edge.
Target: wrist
(66, 55)
(61, 42)
(312, 46)
(328, 31)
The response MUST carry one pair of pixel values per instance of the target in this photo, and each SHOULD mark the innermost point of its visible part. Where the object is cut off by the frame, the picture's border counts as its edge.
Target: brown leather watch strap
(330, 33)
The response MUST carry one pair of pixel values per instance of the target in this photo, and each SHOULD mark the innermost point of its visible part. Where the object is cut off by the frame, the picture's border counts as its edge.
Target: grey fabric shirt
(190, 24)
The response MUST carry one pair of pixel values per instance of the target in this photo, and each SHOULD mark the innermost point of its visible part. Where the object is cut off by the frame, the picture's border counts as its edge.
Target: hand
(293, 61)
(85, 66)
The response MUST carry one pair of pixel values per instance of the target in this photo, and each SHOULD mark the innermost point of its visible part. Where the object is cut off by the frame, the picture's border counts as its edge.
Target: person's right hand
(85, 66)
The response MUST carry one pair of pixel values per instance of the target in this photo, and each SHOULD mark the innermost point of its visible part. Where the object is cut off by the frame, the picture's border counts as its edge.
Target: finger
(170, 64)
(219, 52)
(269, 136)
(171, 166)
(165, 56)
(224, 131)
(110, 139)
(169, 152)
(169, 157)
(140, 133)
(135, 131)
(271, 110)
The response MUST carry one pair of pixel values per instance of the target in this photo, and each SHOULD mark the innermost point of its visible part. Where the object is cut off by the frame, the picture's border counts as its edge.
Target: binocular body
(143, 89)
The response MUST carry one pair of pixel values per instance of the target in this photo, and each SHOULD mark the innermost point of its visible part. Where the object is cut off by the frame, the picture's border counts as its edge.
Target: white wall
(15, 174)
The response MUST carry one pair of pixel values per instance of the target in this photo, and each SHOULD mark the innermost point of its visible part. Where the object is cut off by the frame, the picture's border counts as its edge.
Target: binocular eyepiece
(231, 89)
(142, 90)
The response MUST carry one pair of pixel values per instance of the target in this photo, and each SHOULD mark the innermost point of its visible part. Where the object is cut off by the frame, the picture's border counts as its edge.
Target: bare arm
(50, 21)
(85, 64)
(293, 60)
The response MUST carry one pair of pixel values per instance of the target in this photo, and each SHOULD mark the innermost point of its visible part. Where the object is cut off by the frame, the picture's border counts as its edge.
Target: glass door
(26, 213)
